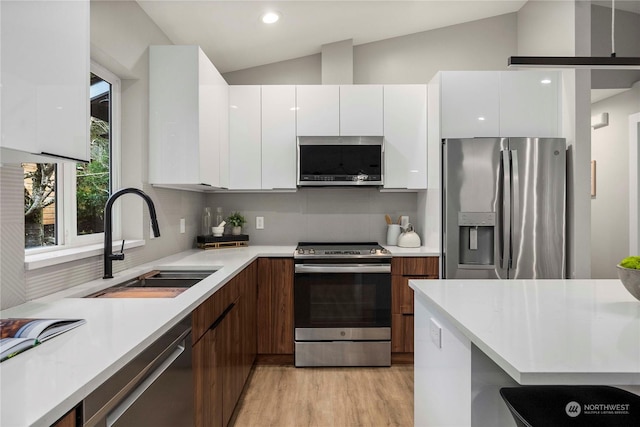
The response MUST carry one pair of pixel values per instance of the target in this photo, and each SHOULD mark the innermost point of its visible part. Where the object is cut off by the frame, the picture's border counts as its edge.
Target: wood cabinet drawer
(415, 266)
(213, 307)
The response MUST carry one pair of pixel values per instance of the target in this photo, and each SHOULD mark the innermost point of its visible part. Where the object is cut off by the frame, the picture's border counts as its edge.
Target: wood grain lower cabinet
(70, 419)
(207, 380)
(404, 269)
(275, 306)
(224, 348)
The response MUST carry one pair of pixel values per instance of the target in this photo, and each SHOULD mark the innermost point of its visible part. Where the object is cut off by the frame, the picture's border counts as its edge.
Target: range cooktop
(340, 250)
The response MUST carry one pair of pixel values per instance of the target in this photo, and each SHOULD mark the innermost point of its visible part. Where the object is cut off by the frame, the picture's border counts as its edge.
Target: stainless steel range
(342, 304)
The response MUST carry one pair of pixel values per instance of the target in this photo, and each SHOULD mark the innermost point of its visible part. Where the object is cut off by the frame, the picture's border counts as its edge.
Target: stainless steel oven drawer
(342, 334)
(343, 353)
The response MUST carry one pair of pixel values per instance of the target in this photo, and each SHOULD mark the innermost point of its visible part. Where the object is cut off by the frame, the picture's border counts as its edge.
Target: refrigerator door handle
(506, 209)
(515, 191)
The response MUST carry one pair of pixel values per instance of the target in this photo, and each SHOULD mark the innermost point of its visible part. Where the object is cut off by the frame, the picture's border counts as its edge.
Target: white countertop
(40, 385)
(545, 331)
(407, 252)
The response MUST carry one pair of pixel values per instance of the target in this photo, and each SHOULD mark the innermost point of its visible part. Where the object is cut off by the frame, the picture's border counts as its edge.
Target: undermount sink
(154, 284)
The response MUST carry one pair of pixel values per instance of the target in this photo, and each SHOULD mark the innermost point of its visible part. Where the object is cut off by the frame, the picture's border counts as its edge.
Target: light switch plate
(435, 332)
(183, 226)
(259, 223)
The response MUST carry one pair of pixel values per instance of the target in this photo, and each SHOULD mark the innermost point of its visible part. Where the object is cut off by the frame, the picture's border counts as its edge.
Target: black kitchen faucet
(108, 255)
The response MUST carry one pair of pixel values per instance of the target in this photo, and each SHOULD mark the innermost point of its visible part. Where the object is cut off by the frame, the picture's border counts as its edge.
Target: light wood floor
(288, 396)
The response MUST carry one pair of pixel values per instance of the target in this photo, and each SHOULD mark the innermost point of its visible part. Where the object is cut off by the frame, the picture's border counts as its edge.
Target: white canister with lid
(409, 239)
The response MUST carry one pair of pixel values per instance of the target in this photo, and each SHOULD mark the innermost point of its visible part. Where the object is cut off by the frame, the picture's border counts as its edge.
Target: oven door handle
(342, 268)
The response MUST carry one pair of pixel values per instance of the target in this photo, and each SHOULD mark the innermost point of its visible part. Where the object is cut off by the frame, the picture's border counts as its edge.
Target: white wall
(545, 28)
(627, 43)
(610, 207)
(303, 71)
(12, 289)
(476, 45)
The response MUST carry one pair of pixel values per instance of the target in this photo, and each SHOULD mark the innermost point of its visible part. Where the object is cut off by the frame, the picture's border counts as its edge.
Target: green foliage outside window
(92, 181)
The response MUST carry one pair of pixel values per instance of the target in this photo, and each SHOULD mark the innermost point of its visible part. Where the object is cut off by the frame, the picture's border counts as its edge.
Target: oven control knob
(372, 251)
(384, 251)
(312, 251)
(301, 251)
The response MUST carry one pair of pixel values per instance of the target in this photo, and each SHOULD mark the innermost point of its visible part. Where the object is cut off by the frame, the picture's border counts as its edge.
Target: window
(64, 203)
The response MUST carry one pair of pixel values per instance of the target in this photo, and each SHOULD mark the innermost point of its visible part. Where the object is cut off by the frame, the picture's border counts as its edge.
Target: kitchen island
(473, 337)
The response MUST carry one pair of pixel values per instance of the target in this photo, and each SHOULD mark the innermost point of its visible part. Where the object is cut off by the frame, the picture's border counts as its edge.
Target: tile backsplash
(317, 214)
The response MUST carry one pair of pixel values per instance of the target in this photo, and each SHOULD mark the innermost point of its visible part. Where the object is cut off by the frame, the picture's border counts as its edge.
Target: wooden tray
(229, 241)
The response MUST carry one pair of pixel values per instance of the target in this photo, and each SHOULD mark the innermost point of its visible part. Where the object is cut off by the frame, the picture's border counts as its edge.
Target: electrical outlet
(259, 223)
(435, 332)
(183, 226)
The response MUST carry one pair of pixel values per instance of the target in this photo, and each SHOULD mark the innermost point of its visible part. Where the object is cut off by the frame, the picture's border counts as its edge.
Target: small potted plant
(629, 274)
(237, 221)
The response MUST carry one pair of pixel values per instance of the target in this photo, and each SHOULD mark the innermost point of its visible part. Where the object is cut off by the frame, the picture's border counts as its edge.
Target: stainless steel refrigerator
(504, 208)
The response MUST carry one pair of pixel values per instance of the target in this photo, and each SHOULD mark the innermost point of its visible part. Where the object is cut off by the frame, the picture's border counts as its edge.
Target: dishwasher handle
(118, 411)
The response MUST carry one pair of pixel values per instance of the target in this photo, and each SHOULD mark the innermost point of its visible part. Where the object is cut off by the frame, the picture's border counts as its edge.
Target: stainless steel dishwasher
(154, 389)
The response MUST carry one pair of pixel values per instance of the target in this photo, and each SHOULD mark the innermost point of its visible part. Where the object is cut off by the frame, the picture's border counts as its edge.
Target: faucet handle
(118, 256)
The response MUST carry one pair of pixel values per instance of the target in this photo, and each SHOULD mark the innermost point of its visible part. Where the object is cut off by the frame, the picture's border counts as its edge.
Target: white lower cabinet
(279, 137)
(405, 136)
(245, 128)
(44, 79)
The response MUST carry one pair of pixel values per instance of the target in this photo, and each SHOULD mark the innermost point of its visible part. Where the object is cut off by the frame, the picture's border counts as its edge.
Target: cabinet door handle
(222, 316)
(58, 156)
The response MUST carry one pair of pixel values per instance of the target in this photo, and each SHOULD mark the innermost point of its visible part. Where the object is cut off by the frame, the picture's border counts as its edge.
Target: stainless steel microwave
(340, 160)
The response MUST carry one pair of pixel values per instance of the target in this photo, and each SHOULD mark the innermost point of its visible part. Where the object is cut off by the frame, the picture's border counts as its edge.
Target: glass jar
(219, 216)
(207, 221)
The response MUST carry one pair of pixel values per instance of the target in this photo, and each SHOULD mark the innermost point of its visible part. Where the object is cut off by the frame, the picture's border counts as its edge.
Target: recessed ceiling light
(545, 81)
(270, 17)
(481, 119)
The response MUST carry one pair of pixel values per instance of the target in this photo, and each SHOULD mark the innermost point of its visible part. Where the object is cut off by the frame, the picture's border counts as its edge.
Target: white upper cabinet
(245, 154)
(188, 118)
(361, 109)
(278, 137)
(347, 110)
(530, 103)
(318, 110)
(470, 104)
(500, 103)
(44, 80)
(405, 136)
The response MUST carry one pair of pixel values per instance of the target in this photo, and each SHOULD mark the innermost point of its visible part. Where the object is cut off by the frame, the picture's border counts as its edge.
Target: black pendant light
(592, 62)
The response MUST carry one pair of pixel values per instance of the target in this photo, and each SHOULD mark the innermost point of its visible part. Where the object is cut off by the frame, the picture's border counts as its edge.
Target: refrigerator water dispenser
(476, 234)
